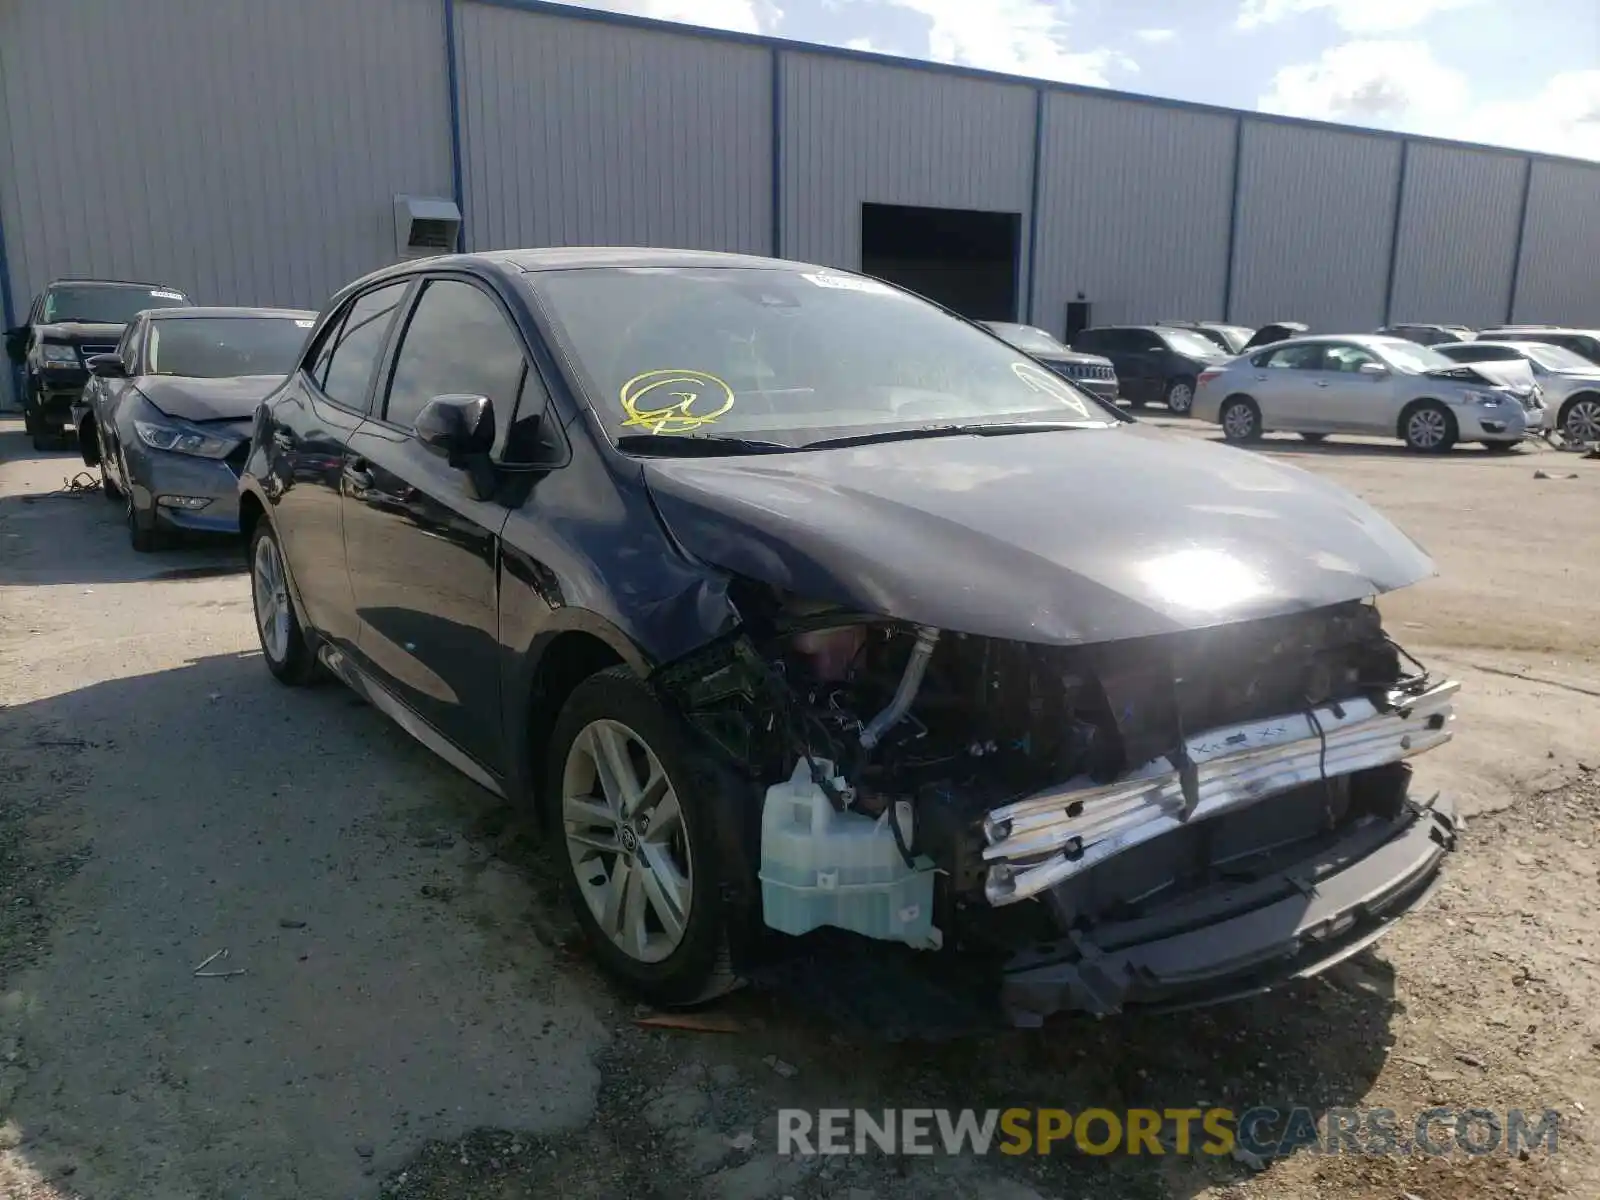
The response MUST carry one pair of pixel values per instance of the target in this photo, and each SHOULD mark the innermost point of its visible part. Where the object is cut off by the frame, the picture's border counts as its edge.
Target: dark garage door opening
(965, 260)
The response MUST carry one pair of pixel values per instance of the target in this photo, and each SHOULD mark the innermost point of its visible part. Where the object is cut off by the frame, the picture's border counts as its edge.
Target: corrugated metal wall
(1458, 236)
(247, 152)
(856, 132)
(1315, 219)
(1133, 211)
(578, 133)
(1559, 280)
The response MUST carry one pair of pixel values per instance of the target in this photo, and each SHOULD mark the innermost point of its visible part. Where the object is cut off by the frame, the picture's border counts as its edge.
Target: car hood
(1077, 536)
(207, 399)
(1518, 375)
(78, 332)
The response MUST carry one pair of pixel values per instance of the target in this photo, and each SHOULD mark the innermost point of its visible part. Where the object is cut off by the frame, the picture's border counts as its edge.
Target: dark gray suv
(1153, 362)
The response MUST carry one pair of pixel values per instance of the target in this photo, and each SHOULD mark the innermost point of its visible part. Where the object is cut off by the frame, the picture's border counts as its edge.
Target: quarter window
(457, 343)
(343, 368)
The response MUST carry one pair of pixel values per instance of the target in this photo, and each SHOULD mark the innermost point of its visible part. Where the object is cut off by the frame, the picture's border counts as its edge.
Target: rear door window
(1292, 358)
(344, 364)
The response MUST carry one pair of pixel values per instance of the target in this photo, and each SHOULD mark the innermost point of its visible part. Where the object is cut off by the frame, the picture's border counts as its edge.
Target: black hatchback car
(800, 609)
(1153, 363)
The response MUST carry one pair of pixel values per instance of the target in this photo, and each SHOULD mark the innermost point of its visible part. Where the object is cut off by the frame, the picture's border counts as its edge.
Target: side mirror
(456, 427)
(107, 366)
(1376, 370)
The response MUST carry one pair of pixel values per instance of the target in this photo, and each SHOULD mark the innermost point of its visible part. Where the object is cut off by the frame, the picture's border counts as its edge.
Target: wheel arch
(1422, 402)
(1566, 405)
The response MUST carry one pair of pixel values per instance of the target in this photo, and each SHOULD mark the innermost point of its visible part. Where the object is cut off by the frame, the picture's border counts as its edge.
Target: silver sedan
(1372, 386)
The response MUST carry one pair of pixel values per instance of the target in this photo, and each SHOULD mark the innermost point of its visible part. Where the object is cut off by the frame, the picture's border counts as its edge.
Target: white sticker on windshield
(166, 295)
(300, 324)
(849, 283)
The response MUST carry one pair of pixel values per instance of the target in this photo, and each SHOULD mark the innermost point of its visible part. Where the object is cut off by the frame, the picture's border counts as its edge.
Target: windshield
(1409, 356)
(1556, 358)
(220, 347)
(1027, 338)
(102, 305)
(1233, 336)
(789, 357)
(1186, 341)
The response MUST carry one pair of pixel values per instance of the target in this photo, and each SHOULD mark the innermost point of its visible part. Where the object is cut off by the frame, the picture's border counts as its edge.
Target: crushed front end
(1150, 822)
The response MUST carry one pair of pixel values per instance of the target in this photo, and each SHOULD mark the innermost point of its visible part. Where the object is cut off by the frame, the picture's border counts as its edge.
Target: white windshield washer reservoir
(822, 867)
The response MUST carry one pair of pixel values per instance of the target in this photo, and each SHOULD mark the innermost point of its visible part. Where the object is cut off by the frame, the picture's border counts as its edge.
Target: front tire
(639, 855)
(145, 537)
(1500, 447)
(1180, 396)
(283, 642)
(1580, 420)
(1240, 419)
(1428, 428)
(1316, 439)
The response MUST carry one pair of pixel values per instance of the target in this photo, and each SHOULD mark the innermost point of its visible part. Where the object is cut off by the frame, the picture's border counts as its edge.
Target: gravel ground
(414, 1017)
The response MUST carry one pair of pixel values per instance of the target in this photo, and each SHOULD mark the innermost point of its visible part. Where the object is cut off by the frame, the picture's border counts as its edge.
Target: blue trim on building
(776, 67)
(8, 312)
(627, 20)
(1516, 252)
(1036, 186)
(1233, 218)
(457, 190)
(1394, 231)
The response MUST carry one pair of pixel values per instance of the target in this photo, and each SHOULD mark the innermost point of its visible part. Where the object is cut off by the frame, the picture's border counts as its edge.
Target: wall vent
(425, 225)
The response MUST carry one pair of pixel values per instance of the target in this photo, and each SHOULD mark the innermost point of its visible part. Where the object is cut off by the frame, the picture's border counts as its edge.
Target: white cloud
(1369, 83)
(1353, 16)
(863, 43)
(1156, 35)
(1400, 85)
(1023, 37)
(1563, 117)
(742, 16)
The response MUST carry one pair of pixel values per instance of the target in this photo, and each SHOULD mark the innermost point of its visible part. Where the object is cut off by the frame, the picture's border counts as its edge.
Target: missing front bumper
(1042, 841)
(1247, 940)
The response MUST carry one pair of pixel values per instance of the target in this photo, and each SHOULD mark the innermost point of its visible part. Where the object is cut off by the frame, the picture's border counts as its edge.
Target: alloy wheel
(1180, 398)
(1239, 421)
(1427, 429)
(629, 847)
(272, 599)
(1582, 423)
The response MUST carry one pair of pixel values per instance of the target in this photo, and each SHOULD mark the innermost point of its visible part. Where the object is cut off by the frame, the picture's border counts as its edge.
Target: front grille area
(89, 350)
(1086, 371)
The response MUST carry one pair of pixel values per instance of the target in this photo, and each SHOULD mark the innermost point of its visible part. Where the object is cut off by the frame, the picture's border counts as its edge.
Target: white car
(1570, 382)
(1371, 386)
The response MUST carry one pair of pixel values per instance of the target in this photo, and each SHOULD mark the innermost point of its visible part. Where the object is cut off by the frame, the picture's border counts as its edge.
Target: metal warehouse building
(254, 152)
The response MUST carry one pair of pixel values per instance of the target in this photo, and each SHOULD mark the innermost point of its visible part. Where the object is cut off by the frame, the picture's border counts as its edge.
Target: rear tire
(1180, 396)
(1240, 419)
(283, 642)
(1428, 427)
(624, 873)
(1315, 438)
(1500, 447)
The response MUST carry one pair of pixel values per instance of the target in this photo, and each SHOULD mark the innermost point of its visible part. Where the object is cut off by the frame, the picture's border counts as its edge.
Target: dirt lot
(415, 1019)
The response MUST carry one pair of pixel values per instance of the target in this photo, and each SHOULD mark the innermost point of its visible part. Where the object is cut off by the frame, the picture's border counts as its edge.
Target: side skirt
(375, 694)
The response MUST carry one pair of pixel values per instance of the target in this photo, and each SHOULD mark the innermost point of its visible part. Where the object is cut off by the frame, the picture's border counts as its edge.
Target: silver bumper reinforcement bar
(1036, 843)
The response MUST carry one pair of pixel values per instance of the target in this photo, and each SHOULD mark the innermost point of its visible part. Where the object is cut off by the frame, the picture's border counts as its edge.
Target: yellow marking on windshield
(699, 399)
(1041, 380)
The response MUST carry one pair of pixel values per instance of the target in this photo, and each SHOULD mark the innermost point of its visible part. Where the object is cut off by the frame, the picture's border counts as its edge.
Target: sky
(1518, 73)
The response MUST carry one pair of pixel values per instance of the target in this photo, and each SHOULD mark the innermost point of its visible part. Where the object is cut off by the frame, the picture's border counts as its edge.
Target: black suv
(1153, 362)
(68, 323)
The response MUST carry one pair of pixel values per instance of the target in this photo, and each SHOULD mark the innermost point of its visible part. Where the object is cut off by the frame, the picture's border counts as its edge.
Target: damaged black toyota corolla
(796, 604)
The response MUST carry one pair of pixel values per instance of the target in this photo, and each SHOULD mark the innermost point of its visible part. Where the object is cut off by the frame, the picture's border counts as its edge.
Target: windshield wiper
(933, 431)
(697, 445)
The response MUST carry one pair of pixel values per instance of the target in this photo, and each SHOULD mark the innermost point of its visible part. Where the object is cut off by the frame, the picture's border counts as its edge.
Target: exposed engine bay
(945, 790)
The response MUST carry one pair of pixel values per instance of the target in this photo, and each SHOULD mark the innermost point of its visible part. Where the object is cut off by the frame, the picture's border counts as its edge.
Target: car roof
(1544, 329)
(84, 281)
(225, 311)
(1359, 339)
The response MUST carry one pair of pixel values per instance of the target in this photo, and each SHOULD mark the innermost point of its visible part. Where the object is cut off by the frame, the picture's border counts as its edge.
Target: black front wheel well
(250, 512)
(567, 661)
